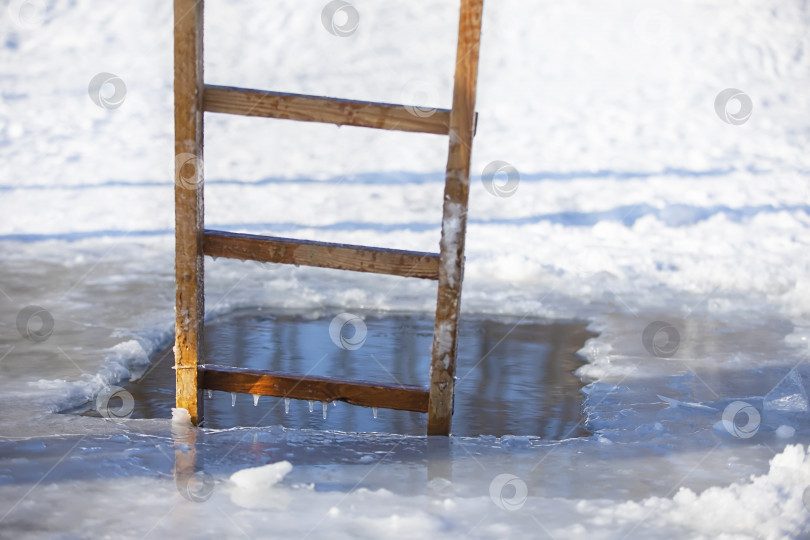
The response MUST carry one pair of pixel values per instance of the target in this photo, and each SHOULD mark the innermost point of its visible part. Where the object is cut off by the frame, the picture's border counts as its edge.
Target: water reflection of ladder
(192, 98)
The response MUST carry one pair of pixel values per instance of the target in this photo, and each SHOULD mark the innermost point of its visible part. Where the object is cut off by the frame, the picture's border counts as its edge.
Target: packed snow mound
(769, 506)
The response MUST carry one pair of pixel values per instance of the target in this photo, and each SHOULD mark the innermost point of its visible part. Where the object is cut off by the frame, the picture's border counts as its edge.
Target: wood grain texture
(268, 383)
(322, 254)
(454, 220)
(188, 202)
(342, 112)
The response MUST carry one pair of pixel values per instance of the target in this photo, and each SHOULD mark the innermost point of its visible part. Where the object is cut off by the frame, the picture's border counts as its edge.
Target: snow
(260, 478)
(743, 509)
(181, 417)
(785, 432)
(451, 231)
(636, 203)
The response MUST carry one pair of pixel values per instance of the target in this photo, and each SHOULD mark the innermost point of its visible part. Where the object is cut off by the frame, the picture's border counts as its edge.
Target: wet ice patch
(125, 360)
(130, 354)
(788, 396)
(675, 404)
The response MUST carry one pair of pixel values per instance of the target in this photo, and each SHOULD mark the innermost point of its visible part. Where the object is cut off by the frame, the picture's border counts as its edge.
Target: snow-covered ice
(639, 206)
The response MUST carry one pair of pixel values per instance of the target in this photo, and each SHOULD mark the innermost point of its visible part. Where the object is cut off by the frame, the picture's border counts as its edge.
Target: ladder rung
(224, 99)
(272, 249)
(268, 383)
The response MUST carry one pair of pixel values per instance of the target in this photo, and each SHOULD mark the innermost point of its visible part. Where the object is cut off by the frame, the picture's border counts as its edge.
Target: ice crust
(636, 203)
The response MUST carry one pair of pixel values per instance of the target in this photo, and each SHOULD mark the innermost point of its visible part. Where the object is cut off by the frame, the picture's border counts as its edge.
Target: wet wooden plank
(188, 202)
(322, 254)
(454, 220)
(342, 112)
(268, 383)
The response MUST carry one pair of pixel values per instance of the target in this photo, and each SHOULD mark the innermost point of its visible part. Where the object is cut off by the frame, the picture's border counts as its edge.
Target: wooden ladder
(192, 97)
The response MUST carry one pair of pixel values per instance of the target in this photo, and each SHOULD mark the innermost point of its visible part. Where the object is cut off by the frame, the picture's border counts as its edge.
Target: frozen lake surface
(671, 223)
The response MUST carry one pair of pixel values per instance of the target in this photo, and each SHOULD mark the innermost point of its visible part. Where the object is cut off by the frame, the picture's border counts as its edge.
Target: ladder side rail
(188, 203)
(454, 221)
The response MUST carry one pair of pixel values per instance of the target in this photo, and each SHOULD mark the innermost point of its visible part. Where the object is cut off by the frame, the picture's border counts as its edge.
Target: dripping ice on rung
(233, 399)
(210, 393)
(374, 411)
(311, 405)
(255, 399)
(324, 404)
(286, 405)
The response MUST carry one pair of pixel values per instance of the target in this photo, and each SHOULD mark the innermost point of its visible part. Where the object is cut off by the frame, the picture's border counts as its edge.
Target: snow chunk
(181, 416)
(785, 432)
(254, 488)
(263, 477)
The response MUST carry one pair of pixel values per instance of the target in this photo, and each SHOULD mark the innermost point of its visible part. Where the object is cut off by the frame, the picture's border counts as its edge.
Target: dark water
(514, 377)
